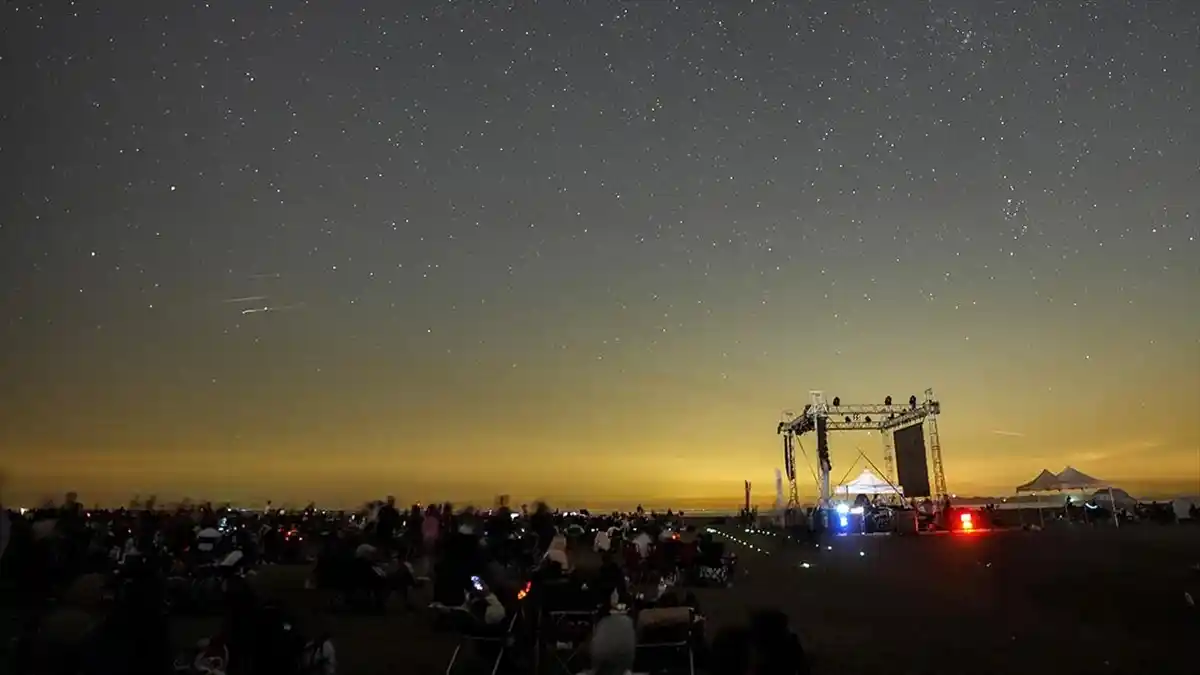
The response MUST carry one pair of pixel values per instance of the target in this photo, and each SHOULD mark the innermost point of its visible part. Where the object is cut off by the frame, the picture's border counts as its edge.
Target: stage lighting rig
(820, 417)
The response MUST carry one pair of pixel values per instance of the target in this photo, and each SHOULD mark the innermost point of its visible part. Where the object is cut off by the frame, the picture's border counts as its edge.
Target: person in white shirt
(558, 553)
(614, 645)
(643, 542)
(603, 542)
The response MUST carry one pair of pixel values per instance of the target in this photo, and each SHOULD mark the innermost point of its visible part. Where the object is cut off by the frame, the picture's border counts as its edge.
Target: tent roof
(1044, 481)
(1071, 478)
(1116, 495)
(867, 478)
(866, 483)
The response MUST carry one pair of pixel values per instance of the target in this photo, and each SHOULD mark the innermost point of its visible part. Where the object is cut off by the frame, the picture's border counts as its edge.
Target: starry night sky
(589, 251)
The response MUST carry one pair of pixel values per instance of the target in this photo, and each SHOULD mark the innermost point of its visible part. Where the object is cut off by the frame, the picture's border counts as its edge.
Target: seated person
(614, 646)
(558, 592)
(611, 582)
(558, 553)
(777, 649)
(475, 598)
(456, 574)
(643, 541)
(731, 652)
(603, 541)
(366, 551)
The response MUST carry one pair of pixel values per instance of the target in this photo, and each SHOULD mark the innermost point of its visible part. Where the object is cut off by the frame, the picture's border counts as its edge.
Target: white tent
(1066, 481)
(1071, 478)
(867, 483)
(1114, 498)
(1045, 482)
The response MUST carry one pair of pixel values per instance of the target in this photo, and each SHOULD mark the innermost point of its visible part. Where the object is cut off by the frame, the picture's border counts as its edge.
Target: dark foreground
(1069, 601)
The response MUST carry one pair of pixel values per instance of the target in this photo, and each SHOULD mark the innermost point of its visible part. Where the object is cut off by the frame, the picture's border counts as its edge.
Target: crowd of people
(97, 586)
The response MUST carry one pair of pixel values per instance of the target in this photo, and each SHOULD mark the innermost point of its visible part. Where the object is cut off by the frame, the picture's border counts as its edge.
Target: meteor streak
(269, 308)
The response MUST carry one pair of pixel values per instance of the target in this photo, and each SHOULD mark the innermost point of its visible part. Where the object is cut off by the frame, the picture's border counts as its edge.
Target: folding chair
(474, 634)
(565, 635)
(665, 638)
(716, 568)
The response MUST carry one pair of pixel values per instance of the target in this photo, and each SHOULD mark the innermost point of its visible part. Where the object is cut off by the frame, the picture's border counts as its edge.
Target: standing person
(412, 532)
(430, 533)
(542, 524)
(387, 523)
(499, 532)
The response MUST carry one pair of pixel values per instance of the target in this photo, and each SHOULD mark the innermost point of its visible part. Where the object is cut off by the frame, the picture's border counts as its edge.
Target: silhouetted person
(731, 652)
(412, 531)
(542, 524)
(777, 650)
(387, 523)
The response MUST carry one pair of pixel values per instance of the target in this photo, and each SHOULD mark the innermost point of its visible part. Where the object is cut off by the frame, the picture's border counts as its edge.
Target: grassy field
(1078, 600)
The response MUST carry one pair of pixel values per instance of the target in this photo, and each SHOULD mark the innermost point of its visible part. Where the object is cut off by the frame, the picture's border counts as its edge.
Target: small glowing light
(844, 521)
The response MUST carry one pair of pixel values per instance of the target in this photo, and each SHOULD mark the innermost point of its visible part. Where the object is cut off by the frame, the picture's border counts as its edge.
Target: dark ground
(1075, 600)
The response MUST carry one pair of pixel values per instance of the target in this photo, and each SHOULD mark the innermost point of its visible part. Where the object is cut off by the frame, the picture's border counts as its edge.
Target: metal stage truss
(821, 417)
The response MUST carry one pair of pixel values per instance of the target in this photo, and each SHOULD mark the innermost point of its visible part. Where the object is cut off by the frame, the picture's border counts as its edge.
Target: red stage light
(967, 522)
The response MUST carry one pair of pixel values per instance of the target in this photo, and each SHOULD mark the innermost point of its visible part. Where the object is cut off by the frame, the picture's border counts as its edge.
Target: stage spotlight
(837, 401)
(912, 402)
(887, 401)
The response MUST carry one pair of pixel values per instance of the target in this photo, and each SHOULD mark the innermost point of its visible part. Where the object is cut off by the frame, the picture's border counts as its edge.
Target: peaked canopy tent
(1071, 478)
(1114, 498)
(868, 483)
(1045, 482)
(1068, 480)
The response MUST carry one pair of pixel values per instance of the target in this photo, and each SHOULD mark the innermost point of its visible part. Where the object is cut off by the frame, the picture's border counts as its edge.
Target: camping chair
(565, 635)
(490, 641)
(664, 639)
(715, 568)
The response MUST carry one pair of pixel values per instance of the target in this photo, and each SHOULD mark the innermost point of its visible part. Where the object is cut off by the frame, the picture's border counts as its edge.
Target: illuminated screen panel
(911, 464)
